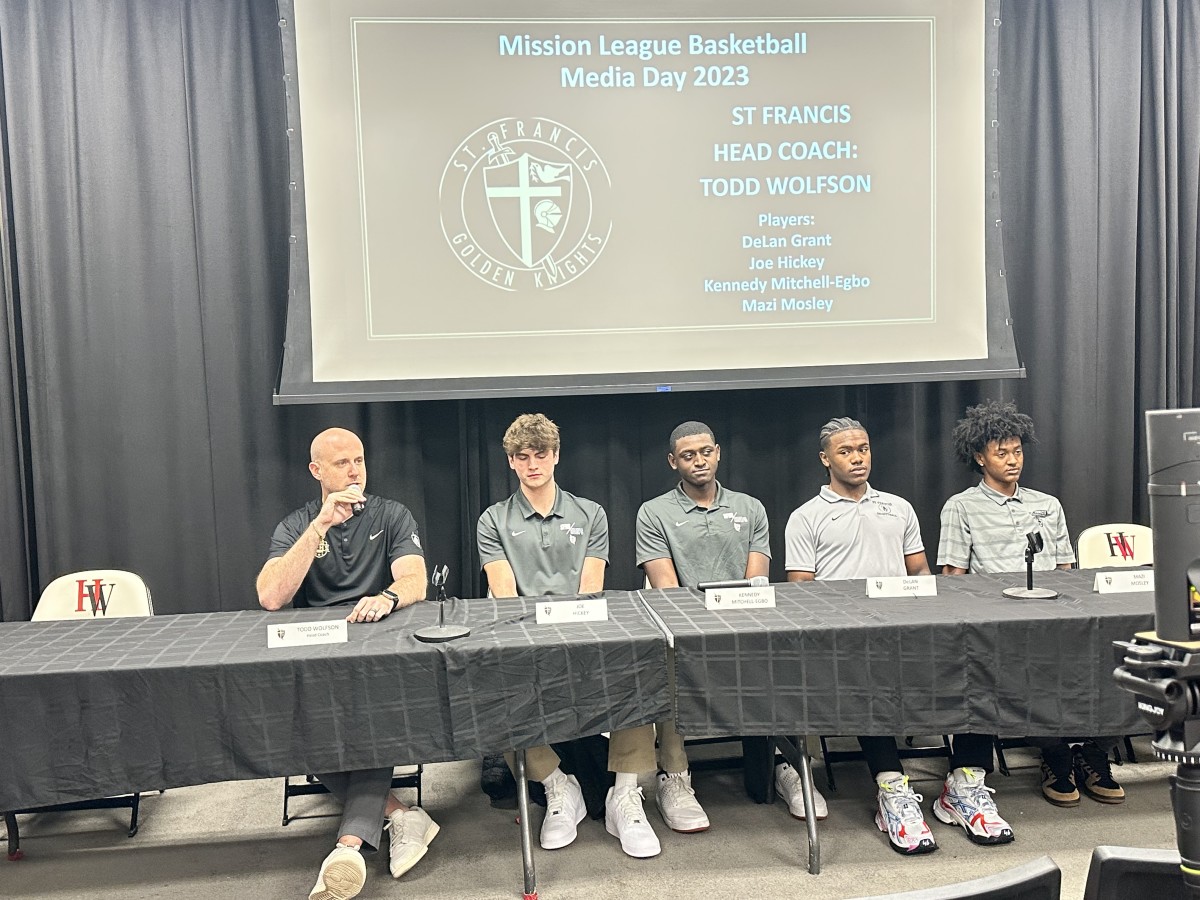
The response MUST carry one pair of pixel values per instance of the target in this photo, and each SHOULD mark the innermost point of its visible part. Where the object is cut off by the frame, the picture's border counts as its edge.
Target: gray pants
(364, 796)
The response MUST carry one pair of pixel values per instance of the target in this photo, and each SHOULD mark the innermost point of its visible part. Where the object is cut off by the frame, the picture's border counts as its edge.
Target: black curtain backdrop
(145, 243)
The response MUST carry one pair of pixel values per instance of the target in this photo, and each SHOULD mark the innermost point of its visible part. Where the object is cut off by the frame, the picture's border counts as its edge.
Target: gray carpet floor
(225, 840)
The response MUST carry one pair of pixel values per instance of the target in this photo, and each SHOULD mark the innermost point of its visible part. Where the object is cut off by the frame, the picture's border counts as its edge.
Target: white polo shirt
(835, 537)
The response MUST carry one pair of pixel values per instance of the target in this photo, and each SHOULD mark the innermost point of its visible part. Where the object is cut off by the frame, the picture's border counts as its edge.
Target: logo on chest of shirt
(573, 533)
(884, 508)
(736, 520)
(1039, 514)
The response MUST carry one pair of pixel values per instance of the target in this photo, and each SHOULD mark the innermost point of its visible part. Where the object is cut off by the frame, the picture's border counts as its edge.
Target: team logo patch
(572, 531)
(525, 204)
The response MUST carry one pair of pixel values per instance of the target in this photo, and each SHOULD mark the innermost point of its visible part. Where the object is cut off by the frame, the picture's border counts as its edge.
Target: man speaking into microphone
(352, 550)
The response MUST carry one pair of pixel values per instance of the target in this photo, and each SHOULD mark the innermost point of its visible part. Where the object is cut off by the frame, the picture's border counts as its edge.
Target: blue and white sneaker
(900, 815)
(967, 801)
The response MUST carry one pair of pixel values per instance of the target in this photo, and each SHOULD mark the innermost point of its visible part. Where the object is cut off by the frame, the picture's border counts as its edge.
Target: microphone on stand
(1034, 546)
(441, 632)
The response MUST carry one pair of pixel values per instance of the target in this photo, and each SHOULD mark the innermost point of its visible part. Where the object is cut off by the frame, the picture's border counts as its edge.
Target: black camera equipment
(1162, 667)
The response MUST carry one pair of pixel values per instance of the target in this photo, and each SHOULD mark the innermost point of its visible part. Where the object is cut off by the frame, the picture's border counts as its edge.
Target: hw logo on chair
(94, 596)
(1120, 544)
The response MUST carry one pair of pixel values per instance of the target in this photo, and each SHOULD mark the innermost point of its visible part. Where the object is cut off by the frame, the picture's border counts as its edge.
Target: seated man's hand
(370, 609)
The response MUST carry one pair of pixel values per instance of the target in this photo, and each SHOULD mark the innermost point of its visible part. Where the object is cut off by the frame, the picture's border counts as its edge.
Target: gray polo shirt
(983, 531)
(546, 553)
(835, 537)
(703, 544)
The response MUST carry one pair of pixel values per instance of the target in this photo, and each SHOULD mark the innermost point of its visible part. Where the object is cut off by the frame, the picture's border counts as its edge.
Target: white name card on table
(561, 612)
(301, 634)
(902, 586)
(1124, 582)
(762, 597)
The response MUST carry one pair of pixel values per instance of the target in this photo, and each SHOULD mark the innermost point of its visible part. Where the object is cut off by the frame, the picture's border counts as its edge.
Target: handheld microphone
(756, 581)
(360, 505)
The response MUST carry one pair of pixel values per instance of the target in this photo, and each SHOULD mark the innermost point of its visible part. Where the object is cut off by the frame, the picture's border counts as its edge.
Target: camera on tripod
(1162, 667)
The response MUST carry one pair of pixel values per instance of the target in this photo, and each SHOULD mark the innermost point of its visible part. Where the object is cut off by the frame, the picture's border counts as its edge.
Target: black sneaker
(1093, 774)
(1058, 776)
(498, 783)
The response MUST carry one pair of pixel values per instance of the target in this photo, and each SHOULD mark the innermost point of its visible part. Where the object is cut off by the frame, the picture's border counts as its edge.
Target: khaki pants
(629, 750)
(671, 755)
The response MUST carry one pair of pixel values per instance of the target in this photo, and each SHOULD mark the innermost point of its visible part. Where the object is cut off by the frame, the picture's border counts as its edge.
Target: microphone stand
(1033, 546)
(441, 632)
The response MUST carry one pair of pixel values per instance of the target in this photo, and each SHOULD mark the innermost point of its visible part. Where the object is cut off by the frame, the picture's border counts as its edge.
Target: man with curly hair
(544, 540)
(983, 531)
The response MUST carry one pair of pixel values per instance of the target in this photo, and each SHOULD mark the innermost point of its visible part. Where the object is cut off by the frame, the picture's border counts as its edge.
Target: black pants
(966, 750)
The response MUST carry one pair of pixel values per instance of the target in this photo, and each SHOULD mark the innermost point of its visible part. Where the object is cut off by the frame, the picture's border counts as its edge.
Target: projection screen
(599, 197)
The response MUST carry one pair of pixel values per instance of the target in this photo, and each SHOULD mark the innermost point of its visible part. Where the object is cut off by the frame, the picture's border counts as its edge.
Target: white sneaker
(678, 804)
(787, 785)
(625, 819)
(342, 875)
(410, 832)
(565, 809)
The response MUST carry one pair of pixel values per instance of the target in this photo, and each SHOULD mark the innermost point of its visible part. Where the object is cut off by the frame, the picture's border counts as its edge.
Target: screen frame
(296, 384)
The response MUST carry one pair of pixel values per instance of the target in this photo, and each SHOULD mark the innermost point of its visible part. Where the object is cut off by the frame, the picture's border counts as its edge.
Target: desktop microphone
(1034, 546)
(359, 506)
(756, 581)
(441, 632)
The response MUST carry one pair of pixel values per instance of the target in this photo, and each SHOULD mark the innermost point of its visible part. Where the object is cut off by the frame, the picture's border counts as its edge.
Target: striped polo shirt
(983, 531)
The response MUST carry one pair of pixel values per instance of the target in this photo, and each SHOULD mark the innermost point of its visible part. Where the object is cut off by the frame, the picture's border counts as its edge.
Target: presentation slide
(583, 192)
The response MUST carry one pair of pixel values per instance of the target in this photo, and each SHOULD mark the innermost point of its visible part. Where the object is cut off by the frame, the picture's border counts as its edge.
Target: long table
(829, 660)
(139, 704)
(111, 706)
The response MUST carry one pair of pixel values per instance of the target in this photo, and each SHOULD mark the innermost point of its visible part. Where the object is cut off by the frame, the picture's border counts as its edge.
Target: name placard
(740, 598)
(301, 634)
(1124, 582)
(902, 586)
(560, 612)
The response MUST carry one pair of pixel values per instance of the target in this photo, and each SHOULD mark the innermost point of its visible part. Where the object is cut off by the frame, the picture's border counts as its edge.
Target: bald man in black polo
(371, 562)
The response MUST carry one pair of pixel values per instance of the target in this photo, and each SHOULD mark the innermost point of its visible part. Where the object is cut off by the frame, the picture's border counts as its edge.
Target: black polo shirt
(361, 551)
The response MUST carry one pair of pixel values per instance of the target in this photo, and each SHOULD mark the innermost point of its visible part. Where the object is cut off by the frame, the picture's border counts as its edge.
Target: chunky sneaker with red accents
(900, 816)
(967, 801)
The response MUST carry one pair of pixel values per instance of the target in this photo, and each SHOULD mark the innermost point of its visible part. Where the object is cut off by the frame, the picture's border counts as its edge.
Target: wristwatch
(391, 595)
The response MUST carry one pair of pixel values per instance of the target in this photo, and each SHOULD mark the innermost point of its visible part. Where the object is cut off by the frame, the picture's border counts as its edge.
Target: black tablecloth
(828, 660)
(107, 706)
